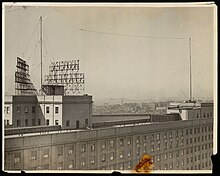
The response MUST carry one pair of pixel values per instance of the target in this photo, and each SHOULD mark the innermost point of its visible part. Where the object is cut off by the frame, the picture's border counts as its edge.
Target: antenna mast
(41, 51)
(190, 70)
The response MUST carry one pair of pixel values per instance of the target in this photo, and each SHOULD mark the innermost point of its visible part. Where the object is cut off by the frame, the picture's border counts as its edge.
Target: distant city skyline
(134, 53)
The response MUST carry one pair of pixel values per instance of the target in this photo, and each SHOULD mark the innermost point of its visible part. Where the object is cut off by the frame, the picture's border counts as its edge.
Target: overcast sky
(125, 52)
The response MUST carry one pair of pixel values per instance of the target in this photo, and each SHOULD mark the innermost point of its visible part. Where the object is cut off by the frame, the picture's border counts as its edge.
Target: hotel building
(180, 140)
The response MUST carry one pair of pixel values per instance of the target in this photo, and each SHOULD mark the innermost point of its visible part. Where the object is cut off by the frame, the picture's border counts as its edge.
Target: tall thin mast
(190, 70)
(41, 50)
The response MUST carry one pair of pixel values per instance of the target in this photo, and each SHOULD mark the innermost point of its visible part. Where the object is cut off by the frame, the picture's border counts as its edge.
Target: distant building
(161, 110)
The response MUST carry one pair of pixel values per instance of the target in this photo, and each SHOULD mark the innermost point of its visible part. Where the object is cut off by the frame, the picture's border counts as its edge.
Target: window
(18, 123)
(83, 162)
(121, 166)
(165, 135)
(165, 156)
(165, 145)
(182, 152)
(187, 141)
(111, 156)
(26, 122)
(121, 142)
(39, 122)
(207, 114)
(46, 153)
(197, 115)
(182, 163)
(129, 165)
(60, 166)
(171, 165)
(93, 147)
(92, 161)
(77, 124)
(138, 151)
(129, 141)
(33, 109)
(158, 147)
(158, 158)
(158, 136)
(47, 122)
(210, 114)
(26, 109)
(121, 154)
(33, 122)
(177, 164)
(177, 134)
(56, 122)
(47, 109)
(45, 167)
(103, 158)
(129, 153)
(18, 110)
(33, 155)
(83, 148)
(194, 130)
(70, 165)
(187, 151)
(152, 148)
(56, 110)
(17, 157)
(86, 122)
(171, 144)
(138, 140)
(71, 149)
(204, 114)
(152, 137)
(60, 151)
(103, 145)
(8, 110)
(111, 142)
(171, 134)
(177, 153)
(7, 122)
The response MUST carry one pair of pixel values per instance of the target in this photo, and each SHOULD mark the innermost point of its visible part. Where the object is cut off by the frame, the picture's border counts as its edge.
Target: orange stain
(145, 165)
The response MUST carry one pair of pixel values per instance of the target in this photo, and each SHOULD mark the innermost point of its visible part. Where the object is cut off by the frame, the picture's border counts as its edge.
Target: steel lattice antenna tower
(41, 51)
(190, 70)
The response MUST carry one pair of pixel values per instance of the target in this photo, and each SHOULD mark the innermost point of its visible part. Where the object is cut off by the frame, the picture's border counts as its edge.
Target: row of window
(7, 110)
(48, 109)
(35, 122)
(206, 114)
(180, 164)
(122, 153)
(71, 165)
(153, 147)
(33, 109)
(128, 166)
(26, 109)
(6, 122)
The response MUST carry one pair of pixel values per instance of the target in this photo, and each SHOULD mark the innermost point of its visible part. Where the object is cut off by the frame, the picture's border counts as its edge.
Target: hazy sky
(148, 60)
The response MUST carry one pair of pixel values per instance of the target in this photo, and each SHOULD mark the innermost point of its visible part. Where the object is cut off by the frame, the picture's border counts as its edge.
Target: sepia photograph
(103, 87)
